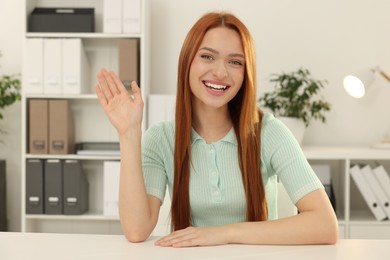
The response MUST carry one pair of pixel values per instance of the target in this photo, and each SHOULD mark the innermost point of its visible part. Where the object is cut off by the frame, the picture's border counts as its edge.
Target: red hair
(246, 118)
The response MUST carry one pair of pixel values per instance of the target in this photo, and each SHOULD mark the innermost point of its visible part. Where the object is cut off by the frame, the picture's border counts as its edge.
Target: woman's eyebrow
(239, 55)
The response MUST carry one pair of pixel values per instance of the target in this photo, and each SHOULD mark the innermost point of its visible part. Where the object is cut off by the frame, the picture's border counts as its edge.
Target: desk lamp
(356, 86)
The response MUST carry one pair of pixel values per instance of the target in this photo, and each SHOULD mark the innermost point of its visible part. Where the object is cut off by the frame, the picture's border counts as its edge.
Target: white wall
(331, 38)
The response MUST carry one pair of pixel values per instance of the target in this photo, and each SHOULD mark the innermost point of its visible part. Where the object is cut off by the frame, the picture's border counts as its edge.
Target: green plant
(9, 92)
(296, 95)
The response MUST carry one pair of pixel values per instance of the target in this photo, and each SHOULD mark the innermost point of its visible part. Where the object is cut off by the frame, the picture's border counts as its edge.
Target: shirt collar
(230, 137)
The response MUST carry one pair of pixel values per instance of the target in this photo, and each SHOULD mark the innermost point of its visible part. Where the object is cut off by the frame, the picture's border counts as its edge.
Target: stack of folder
(121, 16)
(374, 185)
(55, 66)
(51, 127)
(56, 187)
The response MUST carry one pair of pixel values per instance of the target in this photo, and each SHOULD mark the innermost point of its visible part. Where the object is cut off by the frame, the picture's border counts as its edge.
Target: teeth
(215, 86)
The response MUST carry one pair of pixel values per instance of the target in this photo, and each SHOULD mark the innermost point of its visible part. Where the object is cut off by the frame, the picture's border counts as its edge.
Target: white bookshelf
(91, 124)
(355, 218)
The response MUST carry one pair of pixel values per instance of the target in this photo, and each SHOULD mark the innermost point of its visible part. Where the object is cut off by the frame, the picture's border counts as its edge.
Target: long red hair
(246, 118)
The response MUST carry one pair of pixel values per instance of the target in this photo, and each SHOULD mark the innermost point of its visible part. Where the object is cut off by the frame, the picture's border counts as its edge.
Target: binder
(383, 179)
(75, 67)
(128, 61)
(111, 175)
(52, 62)
(61, 127)
(76, 188)
(33, 66)
(53, 187)
(376, 188)
(3, 201)
(38, 123)
(367, 193)
(112, 16)
(34, 187)
(131, 16)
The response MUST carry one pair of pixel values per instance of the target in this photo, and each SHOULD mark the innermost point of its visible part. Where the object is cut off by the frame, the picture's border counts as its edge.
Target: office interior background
(331, 38)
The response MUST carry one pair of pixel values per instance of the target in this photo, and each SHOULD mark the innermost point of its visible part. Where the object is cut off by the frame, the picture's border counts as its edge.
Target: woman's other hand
(123, 108)
(194, 236)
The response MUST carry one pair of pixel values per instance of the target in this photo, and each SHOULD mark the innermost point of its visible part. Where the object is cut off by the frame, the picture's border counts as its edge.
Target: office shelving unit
(354, 216)
(91, 124)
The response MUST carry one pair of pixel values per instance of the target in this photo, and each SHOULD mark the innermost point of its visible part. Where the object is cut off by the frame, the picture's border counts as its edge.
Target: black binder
(3, 206)
(34, 187)
(53, 187)
(75, 188)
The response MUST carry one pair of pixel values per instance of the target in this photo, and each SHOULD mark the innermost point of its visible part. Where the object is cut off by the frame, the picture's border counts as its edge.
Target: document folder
(131, 16)
(38, 126)
(367, 193)
(33, 66)
(52, 66)
(3, 204)
(128, 61)
(34, 187)
(383, 179)
(111, 172)
(376, 188)
(61, 127)
(112, 16)
(75, 67)
(75, 188)
(53, 187)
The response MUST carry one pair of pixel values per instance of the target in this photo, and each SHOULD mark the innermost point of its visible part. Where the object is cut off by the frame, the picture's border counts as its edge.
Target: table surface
(43, 246)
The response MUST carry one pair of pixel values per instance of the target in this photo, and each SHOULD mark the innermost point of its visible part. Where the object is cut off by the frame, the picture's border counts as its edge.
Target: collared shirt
(217, 195)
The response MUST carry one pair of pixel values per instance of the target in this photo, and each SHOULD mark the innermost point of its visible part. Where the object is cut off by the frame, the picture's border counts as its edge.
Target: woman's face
(217, 70)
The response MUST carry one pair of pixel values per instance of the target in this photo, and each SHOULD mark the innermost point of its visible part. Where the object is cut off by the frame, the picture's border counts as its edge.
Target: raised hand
(123, 108)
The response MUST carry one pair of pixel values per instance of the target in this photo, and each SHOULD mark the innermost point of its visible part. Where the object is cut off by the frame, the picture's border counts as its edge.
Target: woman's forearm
(316, 224)
(304, 228)
(135, 214)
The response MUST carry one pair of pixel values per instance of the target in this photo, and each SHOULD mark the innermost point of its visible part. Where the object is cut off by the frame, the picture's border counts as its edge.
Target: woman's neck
(212, 124)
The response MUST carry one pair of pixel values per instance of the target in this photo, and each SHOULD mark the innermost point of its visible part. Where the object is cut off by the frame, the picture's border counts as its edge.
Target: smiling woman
(220, 158)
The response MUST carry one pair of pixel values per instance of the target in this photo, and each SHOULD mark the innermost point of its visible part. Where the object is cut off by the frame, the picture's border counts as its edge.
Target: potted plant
(9, 92)
(296, 99)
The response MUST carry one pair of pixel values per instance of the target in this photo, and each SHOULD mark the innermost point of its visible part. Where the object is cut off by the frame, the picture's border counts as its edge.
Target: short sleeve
(285, 158)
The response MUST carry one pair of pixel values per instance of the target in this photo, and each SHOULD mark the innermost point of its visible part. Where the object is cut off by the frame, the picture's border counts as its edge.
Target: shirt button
(213, 173)
(215, 193)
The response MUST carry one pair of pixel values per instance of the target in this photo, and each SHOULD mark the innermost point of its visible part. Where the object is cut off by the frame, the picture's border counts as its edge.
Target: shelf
(93, 215)
(342, 153)
(72, 157)
(82, 35)
(61, 96)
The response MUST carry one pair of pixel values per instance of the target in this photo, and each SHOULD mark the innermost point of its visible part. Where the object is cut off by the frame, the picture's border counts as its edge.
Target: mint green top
(217, 195)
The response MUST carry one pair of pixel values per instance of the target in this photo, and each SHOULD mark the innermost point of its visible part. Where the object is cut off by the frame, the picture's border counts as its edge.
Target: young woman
(220, 158)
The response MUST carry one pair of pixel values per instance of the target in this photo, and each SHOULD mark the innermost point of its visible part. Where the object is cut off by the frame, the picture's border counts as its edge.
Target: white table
(41, 246)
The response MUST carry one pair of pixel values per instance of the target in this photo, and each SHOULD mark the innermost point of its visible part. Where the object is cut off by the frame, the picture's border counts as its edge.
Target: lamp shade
(357, 84)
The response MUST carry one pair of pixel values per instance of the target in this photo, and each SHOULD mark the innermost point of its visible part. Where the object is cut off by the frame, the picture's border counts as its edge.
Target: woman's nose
(220, 70)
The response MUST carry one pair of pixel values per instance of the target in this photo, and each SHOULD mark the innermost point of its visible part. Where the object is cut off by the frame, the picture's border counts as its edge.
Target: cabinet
(91, 124)
(354, 216)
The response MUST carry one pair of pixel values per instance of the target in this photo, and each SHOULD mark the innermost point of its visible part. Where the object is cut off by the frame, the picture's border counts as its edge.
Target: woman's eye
(207, 57)
(236, 62)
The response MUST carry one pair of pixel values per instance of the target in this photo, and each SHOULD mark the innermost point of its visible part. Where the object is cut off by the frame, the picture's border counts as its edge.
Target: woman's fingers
(136, 90)
(107, 83)
(101, 96)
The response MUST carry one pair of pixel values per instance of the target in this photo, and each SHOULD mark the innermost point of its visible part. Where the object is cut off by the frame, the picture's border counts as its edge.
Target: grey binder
(53, 187)
(76, 188)
(3, 206)
(34, 187)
